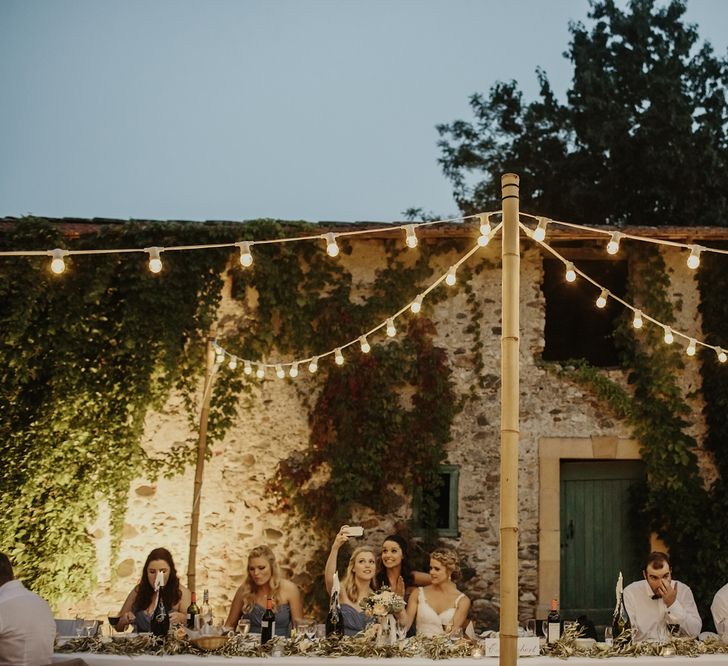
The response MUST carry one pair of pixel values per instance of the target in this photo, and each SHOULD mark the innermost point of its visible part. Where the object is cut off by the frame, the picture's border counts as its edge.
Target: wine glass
(608, 636)
(89, 628)
(447, 627)
(113, 621)
(531, 627)
(78, 626)
(243, 626)
(456, 633)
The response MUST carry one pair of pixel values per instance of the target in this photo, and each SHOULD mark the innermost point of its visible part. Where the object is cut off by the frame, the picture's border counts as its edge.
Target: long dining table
(93, 659)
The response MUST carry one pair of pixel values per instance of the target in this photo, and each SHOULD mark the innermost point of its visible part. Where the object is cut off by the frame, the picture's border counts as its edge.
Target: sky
(323, 110)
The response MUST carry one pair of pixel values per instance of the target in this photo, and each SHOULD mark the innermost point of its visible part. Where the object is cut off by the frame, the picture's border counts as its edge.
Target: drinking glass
(545, 628)
(89, 628)
(308, 628)
(320, 631)
(113, 621)
(78, 626)
(243, 626)
(456, 634)
(447, 627)
(673, 630)
(530, 627)
(608, 635)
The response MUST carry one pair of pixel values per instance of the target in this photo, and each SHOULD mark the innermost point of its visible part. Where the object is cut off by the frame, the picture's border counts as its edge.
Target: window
(575, 327)
(446, 498)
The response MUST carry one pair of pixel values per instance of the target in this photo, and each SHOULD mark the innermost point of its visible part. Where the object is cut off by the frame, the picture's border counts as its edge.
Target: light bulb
(539, 233)
(279, 371)
(411, 239)
(570, 272)
(637, 321)
(313, 365)
(247, 368)
(451, 277)
(246, 258)
(57, 263)
(233, 363)
(613, 244)
(219, 355)
(332, 249)
(668, 337)
(602, 300)
(485, 225)
(293, 372)
(722, 357)
(416, 304)
(391, 330)
(483, 240)
(260, 372)
(338, 356)
(690, 351)
(694, 258)
(364, 344)
(155, 263)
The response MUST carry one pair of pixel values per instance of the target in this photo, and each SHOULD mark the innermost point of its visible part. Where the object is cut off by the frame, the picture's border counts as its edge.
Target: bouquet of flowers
(382, 603)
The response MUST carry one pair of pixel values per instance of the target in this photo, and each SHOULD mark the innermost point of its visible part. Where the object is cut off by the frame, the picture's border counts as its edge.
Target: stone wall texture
(236, 514)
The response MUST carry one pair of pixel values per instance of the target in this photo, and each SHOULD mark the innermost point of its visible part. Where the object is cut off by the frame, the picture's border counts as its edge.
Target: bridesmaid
(394, 568)
(264, 580)
(357, 583)
(140, 603)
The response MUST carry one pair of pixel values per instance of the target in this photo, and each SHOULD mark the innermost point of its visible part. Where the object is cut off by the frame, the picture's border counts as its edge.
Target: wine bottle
(334, 619)
(193, 614)
(620, 618)
(160, 616)
(206, 610)
(554, 623)
(268, 622)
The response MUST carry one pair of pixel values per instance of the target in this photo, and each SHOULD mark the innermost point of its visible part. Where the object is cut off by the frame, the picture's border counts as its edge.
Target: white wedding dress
(430, 623)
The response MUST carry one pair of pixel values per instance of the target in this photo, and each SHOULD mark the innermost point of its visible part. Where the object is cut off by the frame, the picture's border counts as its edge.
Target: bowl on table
(210, 642)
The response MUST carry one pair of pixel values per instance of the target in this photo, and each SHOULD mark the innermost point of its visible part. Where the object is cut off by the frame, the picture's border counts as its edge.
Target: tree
(641, 140)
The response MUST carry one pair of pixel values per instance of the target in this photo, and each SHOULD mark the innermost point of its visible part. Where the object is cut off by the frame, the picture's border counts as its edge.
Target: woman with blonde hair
(262, 582)
(440, 608)
(357, 583)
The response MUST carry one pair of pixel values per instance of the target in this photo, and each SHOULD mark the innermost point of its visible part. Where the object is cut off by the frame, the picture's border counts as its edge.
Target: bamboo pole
(511, 260)
(211, 368)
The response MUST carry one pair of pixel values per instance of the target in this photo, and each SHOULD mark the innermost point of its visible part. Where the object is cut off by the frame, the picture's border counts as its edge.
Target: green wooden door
(597, 535)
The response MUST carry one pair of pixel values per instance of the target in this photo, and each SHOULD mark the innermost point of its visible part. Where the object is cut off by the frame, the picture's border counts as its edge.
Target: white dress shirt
(650, 617)
(27, 628)
(719, 609)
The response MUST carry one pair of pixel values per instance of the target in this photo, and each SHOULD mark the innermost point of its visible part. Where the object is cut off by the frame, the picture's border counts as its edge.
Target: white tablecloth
(144, 660)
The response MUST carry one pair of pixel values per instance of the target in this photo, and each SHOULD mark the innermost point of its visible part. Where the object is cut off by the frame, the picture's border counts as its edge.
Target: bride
(439, 608)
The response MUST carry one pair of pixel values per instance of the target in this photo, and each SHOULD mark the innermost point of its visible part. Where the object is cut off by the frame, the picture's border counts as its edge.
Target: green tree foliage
(642, 139)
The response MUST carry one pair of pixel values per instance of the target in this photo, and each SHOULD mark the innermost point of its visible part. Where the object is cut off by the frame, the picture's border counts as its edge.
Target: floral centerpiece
(382, 603)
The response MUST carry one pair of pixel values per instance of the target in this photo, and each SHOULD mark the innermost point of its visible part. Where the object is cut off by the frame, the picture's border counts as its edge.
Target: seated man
(27, 629)
(719, 609)
(658, 601)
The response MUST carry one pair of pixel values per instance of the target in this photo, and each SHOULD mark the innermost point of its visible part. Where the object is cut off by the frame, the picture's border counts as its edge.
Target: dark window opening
(446, 502)
(575, 327)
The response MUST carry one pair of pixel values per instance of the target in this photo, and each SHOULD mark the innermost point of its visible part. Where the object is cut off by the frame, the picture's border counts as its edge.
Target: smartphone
(354, 531)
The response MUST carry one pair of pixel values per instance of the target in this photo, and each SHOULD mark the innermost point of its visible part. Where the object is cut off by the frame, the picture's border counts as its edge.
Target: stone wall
(272, 423)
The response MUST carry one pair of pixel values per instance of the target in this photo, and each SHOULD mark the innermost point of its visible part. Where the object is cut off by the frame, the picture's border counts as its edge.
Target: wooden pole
(211, 368)
(510, 286)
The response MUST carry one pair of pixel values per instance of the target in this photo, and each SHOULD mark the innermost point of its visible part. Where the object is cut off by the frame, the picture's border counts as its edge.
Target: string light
(332, 249)
(570, 272)
(233, 363)
(722, 357)
(637, 321)
(247, 368)
(539, 233)
(613, 244)
(57, 263)
(313, 365)
(451, 277)
(669, 338)
(280, 373)
(155, 262)
(416, 304)
(411, 238)
(483, 240)
(391, 330)
(293, 372)
(694, 258)
(338, 356)
(260, 372)
(690, 351)
(219, 354)
(364, 344)
(246, 258)
(602, 300)
(485, 225)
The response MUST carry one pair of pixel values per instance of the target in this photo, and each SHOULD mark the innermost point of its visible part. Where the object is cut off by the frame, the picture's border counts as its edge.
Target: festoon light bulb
(364, 344)
(332, 248)
(416, 304)
(602, 300)
(539, 233)
(694, 258)
(451, 278)
(391, 330)
(669, 338)
(155, 262)
(613, 244)
(338, 356)
(57, 263)
(570, 272)
(637, 321)
(246, 258)
(411, 237)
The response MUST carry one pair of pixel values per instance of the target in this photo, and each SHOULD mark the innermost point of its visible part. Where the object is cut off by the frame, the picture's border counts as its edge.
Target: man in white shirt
(658, 601)
(27, 629)
(719, 609)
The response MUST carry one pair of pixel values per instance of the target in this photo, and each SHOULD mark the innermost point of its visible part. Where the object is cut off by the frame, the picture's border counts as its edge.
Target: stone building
(562, 424)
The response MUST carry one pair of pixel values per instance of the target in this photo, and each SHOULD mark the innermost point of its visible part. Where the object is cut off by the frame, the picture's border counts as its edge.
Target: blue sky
(238, 109)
